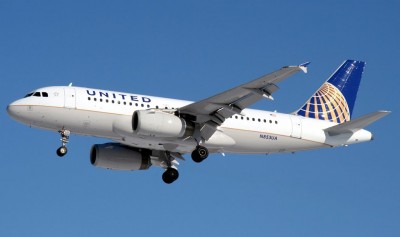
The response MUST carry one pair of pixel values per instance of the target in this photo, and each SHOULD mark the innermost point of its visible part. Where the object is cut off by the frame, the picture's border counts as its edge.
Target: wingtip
(303, 66)
(385, 112)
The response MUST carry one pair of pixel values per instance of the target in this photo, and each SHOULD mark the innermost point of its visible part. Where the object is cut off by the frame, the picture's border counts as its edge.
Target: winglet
(303, 66)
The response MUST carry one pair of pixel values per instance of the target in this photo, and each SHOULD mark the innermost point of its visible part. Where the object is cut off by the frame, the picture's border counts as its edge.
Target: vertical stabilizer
(335, 99)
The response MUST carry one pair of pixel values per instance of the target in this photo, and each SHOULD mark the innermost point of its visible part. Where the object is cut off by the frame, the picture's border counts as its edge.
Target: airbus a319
(148, 130)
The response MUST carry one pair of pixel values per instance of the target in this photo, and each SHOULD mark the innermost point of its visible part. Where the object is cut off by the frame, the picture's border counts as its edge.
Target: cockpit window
(38, 94)
(30, 94)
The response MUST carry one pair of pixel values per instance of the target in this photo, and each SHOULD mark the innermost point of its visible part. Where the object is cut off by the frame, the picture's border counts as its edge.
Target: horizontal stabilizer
(356, 124)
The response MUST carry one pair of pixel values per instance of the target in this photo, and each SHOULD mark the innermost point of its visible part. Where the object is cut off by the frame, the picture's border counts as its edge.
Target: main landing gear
(171, 174)
(199, 154)
(62, 150)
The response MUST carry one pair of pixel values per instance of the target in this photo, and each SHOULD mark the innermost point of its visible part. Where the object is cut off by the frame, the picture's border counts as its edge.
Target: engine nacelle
(118, 157)
(160, 124)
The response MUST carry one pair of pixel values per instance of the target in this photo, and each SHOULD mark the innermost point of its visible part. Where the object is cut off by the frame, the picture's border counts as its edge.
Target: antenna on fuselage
(70, 84)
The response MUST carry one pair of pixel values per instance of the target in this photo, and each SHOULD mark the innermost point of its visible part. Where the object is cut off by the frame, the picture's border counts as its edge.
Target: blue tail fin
(335, 99)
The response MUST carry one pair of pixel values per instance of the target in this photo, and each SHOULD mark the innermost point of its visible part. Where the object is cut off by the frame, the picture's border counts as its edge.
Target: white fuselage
(108, 114)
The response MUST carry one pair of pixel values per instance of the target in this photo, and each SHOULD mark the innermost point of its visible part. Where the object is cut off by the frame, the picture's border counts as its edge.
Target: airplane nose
(19, 112)
(11, 110)
(14, 110)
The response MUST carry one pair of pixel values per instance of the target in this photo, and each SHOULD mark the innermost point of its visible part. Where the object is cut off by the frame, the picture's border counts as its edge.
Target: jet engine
(118, 157)
(160, 124)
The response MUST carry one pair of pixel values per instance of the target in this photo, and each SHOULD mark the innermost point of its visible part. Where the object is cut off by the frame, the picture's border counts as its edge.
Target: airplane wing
(210, 113)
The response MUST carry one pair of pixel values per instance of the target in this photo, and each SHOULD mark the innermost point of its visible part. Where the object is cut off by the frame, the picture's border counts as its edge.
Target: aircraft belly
(172, 145)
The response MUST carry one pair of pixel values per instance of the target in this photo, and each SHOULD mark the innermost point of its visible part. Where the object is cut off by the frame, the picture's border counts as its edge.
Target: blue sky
(191, 50)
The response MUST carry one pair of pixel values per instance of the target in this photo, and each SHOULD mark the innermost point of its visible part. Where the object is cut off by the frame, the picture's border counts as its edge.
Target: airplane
(153, 131)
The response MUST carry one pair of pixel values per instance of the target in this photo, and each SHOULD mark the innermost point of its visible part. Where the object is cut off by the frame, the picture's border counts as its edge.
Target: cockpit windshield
(37, 94)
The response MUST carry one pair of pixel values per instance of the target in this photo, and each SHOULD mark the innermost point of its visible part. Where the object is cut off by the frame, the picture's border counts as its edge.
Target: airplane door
(69, 98)
(296, 126)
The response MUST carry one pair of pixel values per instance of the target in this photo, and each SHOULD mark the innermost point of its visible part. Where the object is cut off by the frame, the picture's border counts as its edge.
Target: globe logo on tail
(328, 103)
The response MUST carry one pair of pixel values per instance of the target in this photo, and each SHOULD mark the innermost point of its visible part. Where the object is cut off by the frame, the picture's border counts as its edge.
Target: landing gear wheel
(170, 175)
(62, 151)
(199, 154)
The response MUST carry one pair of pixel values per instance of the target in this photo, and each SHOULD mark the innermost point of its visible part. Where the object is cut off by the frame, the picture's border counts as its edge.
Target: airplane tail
(335, 99)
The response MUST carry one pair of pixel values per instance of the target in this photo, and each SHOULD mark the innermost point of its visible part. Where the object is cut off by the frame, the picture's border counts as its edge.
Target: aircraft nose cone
(11, 110)
(14, 110)
(19, 112)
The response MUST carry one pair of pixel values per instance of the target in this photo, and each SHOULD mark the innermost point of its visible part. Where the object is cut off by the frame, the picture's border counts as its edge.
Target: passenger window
(44, 94)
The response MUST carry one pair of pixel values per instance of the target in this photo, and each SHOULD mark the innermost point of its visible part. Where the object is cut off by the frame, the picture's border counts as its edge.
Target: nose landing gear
(62, 150)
